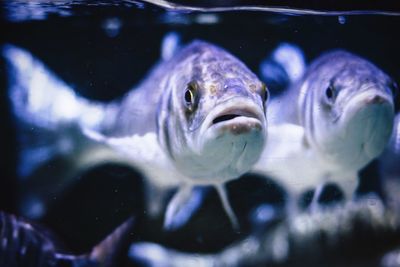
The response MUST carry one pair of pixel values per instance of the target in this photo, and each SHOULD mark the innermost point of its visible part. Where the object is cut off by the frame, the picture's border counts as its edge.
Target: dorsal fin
(291, 58)
(114, 247)
(171, 43)
(284, 66)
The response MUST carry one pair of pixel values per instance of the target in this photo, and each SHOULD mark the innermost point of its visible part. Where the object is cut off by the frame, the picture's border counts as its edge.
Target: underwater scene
(199, 133)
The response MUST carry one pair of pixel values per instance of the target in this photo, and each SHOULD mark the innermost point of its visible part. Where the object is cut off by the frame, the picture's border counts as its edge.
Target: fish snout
(237, 116)
(376, 99)
(235, 107)
(236, 90)
(370, 97)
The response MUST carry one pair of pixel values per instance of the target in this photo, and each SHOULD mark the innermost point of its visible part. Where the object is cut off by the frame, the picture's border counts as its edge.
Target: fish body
(198, 118)
(328, 125)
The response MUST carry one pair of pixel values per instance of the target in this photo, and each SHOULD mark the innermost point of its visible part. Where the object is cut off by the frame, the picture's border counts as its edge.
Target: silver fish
(331, 123)
(197, 119)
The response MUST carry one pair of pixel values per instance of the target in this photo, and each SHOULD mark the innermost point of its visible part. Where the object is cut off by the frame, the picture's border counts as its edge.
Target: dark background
(79, 51)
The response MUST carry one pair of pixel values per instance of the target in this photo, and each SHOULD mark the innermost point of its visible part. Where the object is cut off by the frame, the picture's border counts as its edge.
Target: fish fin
(141, 151)
(285, 65)
(181, 207)
(114, 247)
(227, 206)
(49, 112)
(50, 116)
(153, 254)
(144, 152)
(150, 254)
(292, 60)
(274, 75)
(171, 43)
(314, 205)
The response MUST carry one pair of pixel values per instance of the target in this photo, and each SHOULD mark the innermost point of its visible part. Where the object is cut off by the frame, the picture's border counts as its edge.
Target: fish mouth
(367, 123)
(367, 100)
(380, 127)
(235, 116)
(233, 113)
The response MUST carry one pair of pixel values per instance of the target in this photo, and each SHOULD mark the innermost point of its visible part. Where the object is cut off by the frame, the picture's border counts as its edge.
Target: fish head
(348, 108)
(216, 127)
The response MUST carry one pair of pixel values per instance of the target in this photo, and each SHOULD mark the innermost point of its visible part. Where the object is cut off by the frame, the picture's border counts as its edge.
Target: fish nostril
(225, 118)
(235, 89)
(376, 99)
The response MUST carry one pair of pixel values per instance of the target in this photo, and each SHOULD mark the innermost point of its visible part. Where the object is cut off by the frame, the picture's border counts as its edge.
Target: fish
(26, 243)
(328, 125)
(198, 118)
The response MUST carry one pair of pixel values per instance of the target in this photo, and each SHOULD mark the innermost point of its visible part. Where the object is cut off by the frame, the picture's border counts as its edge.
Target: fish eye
(189, 96)
(264, 93)
(330, 92)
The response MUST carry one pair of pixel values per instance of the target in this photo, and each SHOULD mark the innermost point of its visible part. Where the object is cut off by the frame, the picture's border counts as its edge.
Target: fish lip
(371, 97)
(365, 99)
(234, 112)
(241, 111)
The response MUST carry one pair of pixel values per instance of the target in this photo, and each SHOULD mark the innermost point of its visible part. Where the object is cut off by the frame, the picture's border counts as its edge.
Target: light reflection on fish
(327, 126)
(197, 119)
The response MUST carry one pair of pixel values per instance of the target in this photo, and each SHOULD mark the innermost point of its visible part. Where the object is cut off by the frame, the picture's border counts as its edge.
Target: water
(102, 50)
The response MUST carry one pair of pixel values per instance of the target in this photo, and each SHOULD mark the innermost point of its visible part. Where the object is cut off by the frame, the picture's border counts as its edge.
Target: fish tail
(49, 112)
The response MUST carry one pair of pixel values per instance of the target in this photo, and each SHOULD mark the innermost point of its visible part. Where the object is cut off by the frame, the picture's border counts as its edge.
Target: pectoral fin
(142, 151)
(227, 206)
(183, 205)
